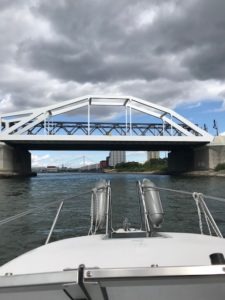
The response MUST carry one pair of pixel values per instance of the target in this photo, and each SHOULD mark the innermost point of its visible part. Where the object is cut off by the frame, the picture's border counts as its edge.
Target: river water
(26, 233)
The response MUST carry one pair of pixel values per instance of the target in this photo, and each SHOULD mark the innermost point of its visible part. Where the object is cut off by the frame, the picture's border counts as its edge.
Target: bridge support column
(208, 157)
(180, 161)
(14, 161)
(203, 158)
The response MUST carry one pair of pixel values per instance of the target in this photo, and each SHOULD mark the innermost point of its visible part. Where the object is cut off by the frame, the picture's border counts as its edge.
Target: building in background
(103, 164)
(107, 160)
(153, 155)
(116, 157)
(52, 169)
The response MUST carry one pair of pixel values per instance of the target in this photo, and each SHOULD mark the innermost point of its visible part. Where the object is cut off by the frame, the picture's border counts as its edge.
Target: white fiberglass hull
(169, 266)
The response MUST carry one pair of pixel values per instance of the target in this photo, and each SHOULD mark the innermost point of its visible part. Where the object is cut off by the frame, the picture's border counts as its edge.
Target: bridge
(58, 127)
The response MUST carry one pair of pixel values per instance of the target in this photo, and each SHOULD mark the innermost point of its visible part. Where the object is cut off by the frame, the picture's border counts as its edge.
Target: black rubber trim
(68, 294)
(104, 293)
(217, 259)
(81, 281)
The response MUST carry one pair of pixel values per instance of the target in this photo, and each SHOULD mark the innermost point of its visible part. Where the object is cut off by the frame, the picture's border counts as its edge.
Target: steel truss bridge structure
(40, 129)
(100, 128)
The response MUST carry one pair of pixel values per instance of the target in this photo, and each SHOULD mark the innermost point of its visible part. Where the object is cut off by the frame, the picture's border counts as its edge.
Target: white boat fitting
(128, 263)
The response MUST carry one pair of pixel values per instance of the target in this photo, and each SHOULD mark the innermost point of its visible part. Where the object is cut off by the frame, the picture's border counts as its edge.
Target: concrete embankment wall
(14, 161)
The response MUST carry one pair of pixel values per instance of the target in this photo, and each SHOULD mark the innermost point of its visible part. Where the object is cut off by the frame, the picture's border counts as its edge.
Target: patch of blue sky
(70, 159)
(205, 112)
(75, 159)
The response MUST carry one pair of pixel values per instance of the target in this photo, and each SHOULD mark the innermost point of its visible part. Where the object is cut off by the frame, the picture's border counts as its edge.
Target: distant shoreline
(187, 174)
(205, 174)
(184, 174)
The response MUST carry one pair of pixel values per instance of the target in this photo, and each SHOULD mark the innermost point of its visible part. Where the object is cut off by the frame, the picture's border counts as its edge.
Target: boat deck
(165, 250)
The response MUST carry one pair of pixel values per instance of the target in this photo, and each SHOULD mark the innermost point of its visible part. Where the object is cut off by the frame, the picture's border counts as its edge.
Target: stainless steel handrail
(203, 208)
(140, 192)
(54, 222)
(95, 274)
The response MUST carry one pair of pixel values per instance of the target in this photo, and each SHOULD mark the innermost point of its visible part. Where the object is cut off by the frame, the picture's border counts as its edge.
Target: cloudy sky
(167, 52)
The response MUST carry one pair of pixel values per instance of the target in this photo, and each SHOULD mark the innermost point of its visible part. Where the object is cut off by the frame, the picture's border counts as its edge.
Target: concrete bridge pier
(180, 161)
(204, 158)
(14, 161)
(209, 156)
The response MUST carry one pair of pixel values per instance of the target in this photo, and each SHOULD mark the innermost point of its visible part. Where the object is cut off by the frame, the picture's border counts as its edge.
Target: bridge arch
(172, 124)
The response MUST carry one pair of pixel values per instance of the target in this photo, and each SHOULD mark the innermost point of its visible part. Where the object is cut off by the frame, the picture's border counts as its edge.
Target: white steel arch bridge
(42, 128)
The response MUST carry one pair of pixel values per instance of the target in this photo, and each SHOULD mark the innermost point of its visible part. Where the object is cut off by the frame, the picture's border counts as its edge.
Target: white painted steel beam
(22, 122)
(174, 114)
(90, 138)
(177, 126)
(25, 120)
(158, 115)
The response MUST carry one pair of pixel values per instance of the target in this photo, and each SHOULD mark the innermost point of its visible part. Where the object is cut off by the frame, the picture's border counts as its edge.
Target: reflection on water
(17, 195)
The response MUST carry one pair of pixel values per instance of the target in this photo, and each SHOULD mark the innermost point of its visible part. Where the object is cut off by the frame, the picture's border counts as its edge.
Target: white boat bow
(127, 263)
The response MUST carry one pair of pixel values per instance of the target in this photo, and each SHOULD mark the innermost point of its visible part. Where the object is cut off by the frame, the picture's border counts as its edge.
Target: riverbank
(205, 173)
(7, 175)
(209, 173)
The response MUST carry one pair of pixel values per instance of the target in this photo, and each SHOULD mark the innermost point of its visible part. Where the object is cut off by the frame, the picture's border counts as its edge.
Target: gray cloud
(166, 52)
(102, 44)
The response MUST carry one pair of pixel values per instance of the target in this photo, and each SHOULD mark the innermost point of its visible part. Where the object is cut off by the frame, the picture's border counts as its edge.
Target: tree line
(156, 164)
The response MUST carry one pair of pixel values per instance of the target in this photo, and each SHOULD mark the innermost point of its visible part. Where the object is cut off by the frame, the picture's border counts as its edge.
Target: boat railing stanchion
(108, 208)
(146, 221)
(139, 202)
(92, 208)
(54, 222)
(200, 203)
(110, 211)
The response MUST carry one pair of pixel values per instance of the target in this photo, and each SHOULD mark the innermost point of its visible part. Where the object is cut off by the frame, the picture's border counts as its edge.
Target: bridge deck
(71, 142)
